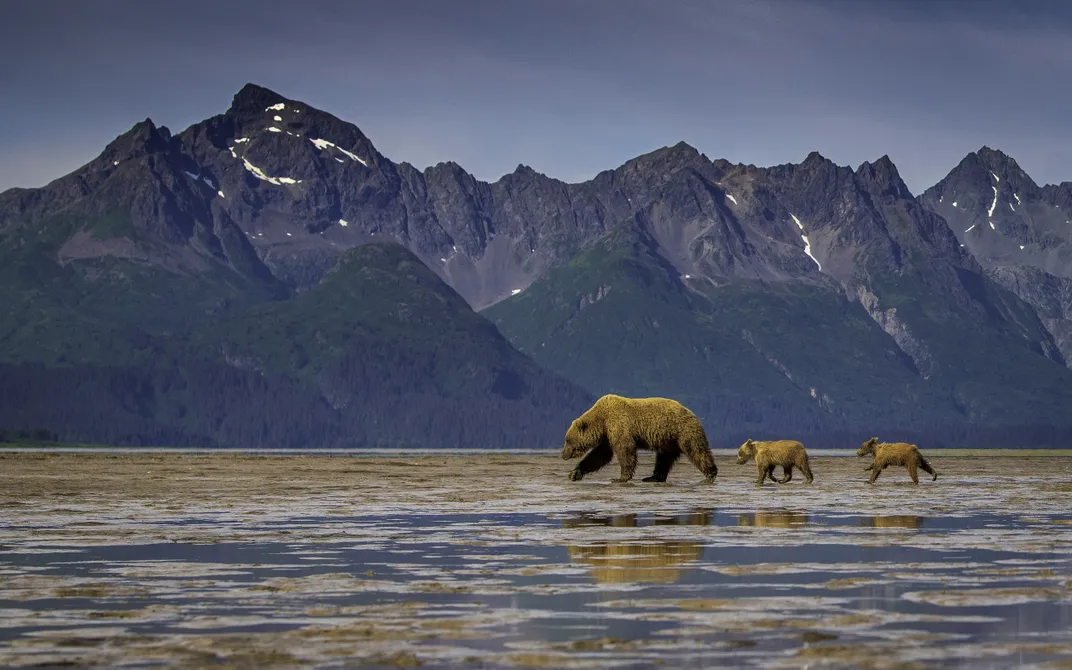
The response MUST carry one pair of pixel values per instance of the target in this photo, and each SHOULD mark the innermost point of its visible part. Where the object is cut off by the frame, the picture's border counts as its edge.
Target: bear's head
(867, 447)
(747, 452)
(583, 435)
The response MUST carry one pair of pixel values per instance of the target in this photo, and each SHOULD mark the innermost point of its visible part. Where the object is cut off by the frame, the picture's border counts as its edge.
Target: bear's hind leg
(926, 467)
(787, 472)
(592, 461)
(664, 460)
(699, 454)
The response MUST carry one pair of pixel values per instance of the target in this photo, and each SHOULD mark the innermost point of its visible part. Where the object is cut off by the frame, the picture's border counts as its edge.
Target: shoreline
(104, 450)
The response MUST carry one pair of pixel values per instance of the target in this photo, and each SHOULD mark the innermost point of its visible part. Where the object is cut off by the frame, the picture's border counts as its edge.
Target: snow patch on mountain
(807, 244)
(324, 144)
(259, 174)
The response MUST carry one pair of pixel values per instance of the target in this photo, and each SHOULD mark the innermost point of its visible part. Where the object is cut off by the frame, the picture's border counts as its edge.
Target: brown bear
(616, 427)
(895, 453)
(787, 453)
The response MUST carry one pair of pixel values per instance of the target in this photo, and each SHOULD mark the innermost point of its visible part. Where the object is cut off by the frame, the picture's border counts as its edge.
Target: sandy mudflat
(498, 560)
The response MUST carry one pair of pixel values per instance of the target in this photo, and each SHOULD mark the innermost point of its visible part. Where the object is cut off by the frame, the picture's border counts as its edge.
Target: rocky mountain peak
(988, 169)
(260, 113)
(254, 99)
(680, 154)
(815, 159)
(881, 177)
(142, 139)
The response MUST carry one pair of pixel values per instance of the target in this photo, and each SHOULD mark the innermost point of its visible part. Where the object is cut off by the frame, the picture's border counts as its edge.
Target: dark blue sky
(570, 88)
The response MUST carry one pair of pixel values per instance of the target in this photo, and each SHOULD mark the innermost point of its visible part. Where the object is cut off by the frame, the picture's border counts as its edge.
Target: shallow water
(498, 560)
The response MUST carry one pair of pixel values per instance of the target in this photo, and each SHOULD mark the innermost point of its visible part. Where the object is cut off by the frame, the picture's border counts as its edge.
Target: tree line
(203, 404)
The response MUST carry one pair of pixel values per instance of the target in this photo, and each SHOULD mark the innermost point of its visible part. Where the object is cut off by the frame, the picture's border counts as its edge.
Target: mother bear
(616, 427)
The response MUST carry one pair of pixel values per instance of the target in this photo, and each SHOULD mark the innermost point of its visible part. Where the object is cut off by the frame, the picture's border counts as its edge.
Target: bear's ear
(582, 426)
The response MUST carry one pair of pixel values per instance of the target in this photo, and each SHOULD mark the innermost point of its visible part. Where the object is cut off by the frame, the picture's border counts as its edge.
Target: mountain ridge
(269, 196)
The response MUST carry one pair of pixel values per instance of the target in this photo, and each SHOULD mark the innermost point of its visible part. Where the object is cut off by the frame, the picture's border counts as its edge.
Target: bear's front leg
(592, 461)
(627, 459)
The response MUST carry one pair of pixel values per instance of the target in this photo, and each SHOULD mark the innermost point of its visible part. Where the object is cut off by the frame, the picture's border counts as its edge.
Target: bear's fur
(895, 453)
(787, 453)
(616, 427)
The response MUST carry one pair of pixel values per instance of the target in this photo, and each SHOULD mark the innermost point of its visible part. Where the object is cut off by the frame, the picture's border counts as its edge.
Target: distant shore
(104, 449)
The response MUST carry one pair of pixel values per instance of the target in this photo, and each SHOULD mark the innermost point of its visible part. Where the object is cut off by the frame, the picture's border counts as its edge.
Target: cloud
(569, 88)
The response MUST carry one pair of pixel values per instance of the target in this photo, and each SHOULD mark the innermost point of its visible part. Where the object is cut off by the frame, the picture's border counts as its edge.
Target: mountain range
(267, 278)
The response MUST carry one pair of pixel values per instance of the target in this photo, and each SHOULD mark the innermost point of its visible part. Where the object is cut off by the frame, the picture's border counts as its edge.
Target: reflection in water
(652, 562)
(773, 519)
(891, 522)
(697, 517)
(656, 562)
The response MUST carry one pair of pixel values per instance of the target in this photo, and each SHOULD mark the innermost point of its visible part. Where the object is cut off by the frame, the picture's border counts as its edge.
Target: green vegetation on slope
(991, 375)
(617, 320)
(750, 358)
(382, 353)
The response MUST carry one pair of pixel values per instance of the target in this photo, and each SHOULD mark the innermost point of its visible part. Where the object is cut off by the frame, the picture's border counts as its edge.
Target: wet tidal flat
(496, 560)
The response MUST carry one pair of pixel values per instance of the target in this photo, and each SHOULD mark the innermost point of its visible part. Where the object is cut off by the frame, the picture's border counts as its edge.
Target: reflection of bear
(773, 519)
(897, 521)
(768, 455)
(617, 427)
(895, 453)
(619, 563)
